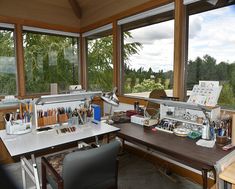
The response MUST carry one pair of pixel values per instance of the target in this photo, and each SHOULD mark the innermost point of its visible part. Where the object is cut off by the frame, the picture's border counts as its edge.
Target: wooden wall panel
(51, 12)
(107, 11)
(20, 60)
(104, 9)
(180, 36)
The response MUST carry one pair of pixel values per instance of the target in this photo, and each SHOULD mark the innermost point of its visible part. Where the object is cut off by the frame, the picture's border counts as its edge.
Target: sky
(211, 32)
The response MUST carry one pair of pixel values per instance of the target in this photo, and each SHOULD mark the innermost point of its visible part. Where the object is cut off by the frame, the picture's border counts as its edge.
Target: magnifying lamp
(112, 99)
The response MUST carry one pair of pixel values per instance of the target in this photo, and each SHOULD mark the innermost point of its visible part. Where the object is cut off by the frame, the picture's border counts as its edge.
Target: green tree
(46, 62)
(100, 61)
(7, 63)
(147, 85)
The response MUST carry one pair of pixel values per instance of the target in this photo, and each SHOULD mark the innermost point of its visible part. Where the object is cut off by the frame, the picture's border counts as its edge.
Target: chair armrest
(52, 171)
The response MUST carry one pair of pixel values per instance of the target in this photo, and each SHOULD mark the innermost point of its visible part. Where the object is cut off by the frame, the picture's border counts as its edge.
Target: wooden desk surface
(181, 149)
(228, 174)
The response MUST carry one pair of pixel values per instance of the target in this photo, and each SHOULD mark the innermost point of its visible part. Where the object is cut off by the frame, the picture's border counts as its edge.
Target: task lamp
(112, 99)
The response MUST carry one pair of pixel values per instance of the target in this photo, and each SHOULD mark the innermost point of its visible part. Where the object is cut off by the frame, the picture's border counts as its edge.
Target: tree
(147, 85)
(7, 63)
(100, 61)
(49, 59)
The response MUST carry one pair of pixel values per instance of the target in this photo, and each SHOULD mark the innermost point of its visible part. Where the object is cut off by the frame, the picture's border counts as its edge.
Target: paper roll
(233, 130)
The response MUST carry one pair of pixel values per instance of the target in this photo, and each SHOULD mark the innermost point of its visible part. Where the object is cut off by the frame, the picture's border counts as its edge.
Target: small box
(96, 112)
(138, 119)
(150, 122)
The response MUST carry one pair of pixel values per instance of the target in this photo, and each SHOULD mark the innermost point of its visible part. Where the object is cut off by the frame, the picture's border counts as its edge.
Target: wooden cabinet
(5, 157)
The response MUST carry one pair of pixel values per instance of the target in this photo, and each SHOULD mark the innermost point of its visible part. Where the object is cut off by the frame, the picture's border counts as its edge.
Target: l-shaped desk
(183, 150)
(180, 149)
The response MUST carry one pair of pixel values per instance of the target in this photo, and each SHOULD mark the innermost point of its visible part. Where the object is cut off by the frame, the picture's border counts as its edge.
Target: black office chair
(95, 168)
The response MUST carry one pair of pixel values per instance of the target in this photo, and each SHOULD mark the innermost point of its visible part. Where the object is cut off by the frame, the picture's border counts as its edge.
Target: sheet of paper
(206, 143)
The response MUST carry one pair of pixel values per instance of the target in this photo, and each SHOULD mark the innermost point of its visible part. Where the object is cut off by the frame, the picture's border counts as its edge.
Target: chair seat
(56, 160)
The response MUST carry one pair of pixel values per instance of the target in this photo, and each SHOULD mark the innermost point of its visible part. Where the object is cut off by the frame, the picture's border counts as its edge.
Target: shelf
(164, 130)
(181, 104)
(51, 99)
(182, 120)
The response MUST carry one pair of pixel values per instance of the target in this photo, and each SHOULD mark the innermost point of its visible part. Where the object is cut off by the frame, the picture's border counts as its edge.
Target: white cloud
(211, 32)
(217, 35)
(195, 26)
(149, 34)
(157, 42)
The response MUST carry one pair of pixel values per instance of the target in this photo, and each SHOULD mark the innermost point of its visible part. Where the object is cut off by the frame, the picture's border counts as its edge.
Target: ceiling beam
(76, 8)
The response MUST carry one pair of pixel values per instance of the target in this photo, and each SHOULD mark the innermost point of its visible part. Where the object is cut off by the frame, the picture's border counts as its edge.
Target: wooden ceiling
(71, 13)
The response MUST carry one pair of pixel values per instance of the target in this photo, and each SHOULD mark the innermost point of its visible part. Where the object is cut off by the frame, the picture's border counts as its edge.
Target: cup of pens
(222, 133)
(221, 140)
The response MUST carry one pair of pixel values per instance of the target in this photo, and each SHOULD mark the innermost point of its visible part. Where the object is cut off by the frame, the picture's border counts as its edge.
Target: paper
(206, 93)
(206, 143)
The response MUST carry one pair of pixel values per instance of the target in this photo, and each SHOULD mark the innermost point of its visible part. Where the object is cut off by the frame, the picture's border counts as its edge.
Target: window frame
(141, 20)
(49, 32)
(11, 27)
(102, 31)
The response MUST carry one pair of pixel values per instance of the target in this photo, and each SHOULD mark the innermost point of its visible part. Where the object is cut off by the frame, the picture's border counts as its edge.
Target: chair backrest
(151, 107)
(95, 168)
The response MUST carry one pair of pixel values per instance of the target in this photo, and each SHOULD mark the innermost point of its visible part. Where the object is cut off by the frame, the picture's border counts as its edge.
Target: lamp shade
(111, 97)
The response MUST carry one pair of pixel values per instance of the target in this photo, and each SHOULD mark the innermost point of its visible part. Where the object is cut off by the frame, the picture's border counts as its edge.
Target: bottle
(206, 130)
(136, 106)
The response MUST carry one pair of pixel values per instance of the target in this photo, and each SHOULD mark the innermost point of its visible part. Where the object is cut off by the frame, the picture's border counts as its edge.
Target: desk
(180, 149)
(228, 175)
(31, 142)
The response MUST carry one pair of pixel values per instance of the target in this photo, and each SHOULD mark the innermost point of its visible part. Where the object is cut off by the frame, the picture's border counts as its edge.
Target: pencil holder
(40, 122)
(45, 121)
(221, 140)
(62, 118)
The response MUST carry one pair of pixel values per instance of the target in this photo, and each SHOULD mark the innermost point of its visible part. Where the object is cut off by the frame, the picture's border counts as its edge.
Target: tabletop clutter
(20, 122)
(45, 117)
(199, 118)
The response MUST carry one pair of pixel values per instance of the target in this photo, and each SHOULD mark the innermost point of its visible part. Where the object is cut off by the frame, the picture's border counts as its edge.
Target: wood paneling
(108, 11)
(20, 60)
(179, 49)
(76, 8)
(116, 56)
(131, 100)
(5, 157)
(83, 62)
(51, 12)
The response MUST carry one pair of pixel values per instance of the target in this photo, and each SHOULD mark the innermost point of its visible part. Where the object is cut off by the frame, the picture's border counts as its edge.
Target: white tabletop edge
(31, 142)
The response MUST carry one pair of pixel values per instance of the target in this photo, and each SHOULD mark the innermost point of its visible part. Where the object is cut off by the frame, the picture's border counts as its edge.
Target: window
(7, 63)
(100, 61)
(49, 59)
(148, 46)
(212, 51)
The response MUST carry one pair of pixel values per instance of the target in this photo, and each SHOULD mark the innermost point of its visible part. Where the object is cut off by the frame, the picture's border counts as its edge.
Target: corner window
(7, 63)
(49, 59)
(100, 61)
(148, 59)
(212, 51)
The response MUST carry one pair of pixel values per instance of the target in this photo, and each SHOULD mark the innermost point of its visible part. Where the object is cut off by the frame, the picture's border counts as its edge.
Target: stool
(228, 175)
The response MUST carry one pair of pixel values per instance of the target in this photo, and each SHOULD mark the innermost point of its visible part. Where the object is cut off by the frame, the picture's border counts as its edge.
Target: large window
(7, 63)
(100, 63)
(50, 59)
(212, 51)
(148, 58)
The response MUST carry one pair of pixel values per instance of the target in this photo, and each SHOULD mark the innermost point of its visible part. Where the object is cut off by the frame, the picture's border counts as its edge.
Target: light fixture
(112, 99)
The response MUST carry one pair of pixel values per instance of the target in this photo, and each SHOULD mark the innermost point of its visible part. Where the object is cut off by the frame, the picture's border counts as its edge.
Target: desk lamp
(112, 99)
